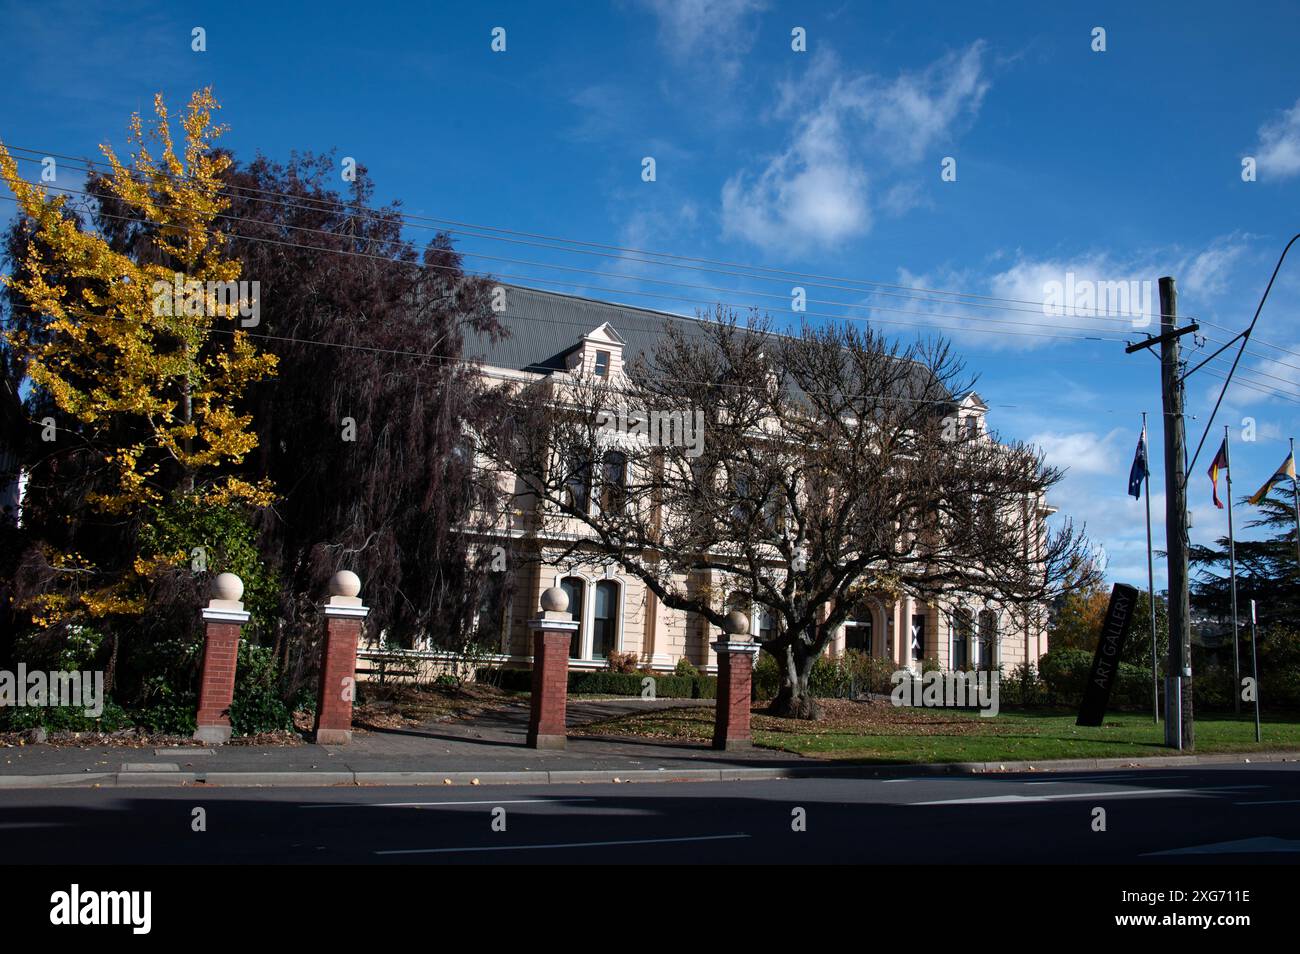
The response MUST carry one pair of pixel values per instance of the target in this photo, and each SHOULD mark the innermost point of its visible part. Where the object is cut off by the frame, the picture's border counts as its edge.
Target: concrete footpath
(489, 751)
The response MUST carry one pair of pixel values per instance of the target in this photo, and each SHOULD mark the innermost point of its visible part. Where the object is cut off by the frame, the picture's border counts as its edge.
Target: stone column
(735, 675)
(552, 633)
(223, 618)
(909, 608)
(898, 635)
(344, 615)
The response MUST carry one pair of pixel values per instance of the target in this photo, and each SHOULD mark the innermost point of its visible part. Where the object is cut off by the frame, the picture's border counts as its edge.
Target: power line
(471, 361)
(89, 165)
(576, 324)
(569, 268)
(1245, 338)
(459, 270)
(943, 317)
(473, 230)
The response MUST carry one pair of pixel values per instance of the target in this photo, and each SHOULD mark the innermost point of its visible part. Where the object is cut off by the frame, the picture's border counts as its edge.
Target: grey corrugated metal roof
(544, 326)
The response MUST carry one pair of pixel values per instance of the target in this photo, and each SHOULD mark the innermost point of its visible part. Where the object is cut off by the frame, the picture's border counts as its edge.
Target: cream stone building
(555, 335)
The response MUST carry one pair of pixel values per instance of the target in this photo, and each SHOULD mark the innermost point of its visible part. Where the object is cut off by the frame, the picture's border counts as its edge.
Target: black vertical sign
(1105, 663)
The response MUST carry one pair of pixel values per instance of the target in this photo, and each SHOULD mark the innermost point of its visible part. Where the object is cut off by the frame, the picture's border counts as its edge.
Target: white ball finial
(227, 586)
(345, 583)
(735, 623)
(555, 600)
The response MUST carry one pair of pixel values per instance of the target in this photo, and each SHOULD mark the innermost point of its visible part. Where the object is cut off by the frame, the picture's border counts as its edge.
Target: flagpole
(1254, 665)
(1232, 569)
(1151, 581)
(1295, 499)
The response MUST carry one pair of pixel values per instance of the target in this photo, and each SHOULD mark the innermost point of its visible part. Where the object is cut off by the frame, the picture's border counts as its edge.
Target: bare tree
(827, 466)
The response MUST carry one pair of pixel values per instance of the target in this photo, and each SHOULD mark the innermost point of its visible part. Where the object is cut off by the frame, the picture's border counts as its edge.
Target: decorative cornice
(345, 612)
(735, 646)
(211, 615)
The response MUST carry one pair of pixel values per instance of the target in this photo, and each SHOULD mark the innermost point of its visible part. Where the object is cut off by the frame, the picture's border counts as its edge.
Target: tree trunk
(793, 699)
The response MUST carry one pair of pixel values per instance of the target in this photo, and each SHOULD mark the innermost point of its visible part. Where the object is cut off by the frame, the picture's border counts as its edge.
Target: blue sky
(1122, 165)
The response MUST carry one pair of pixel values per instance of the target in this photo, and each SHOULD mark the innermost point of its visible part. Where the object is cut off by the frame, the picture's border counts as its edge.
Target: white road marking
(6, 826)
(1102, 778)
(1275, 801)
(570, 844)
(489, 801)
(1010, 799)
(1243, 846)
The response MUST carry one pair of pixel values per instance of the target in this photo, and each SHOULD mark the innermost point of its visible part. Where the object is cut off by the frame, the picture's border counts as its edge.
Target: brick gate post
(552, 633)
(344, 615)
(223, 620)
(735, 675)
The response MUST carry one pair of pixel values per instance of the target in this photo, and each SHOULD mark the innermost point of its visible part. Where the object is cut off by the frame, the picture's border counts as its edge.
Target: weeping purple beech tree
(362, 431)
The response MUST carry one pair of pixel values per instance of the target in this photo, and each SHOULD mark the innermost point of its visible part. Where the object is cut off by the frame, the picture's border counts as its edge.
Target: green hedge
(604, 683)
(1065, 673)
(846, 677)
(63, 718)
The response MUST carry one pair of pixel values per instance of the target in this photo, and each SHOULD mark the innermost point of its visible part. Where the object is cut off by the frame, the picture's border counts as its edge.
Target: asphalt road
(1189, 815)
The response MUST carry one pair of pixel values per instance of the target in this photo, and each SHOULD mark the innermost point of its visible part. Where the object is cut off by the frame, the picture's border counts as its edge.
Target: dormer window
(602, 364)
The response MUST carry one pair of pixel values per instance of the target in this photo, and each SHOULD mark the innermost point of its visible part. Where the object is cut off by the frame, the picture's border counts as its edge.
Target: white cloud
(1278, 152)
(1084, 452)
(847, 131)
(1208, 272)
(688, 27)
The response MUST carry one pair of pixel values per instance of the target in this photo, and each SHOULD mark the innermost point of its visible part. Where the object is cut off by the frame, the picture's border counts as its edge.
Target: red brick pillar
(735, 676)
(223, 617)
(552, 633)
(344, 615)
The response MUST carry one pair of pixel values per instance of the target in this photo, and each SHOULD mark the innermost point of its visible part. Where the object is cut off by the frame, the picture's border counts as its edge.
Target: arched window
(577, 592)
(604, 632)
(963, 631)
(859, 629)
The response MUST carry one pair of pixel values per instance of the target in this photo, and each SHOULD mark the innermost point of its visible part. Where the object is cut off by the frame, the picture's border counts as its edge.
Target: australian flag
(1139, 471)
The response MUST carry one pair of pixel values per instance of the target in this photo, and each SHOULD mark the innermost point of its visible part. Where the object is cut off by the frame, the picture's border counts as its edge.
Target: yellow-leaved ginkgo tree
(143, 341)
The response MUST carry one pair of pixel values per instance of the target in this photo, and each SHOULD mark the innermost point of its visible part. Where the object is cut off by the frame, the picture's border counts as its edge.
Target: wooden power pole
(1178, 678)
(1178, 685)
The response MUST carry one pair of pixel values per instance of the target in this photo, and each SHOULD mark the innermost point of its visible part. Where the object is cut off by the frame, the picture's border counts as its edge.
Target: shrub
(851, 675)
(1212, 687)
(64, 718)
(631, 684)
(1024, 687)
(684, 668)
(1065, 673)
(767, 677)
(622, 662)
(169, 695)
(174, 714)
(258, 705)
(1279, 667)
(222, 538)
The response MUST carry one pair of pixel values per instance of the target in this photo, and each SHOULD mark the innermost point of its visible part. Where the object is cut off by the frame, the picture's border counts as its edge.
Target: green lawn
(881, 733)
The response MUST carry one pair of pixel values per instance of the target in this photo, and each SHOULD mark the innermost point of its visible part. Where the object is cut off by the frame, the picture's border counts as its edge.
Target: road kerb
(595, 776)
